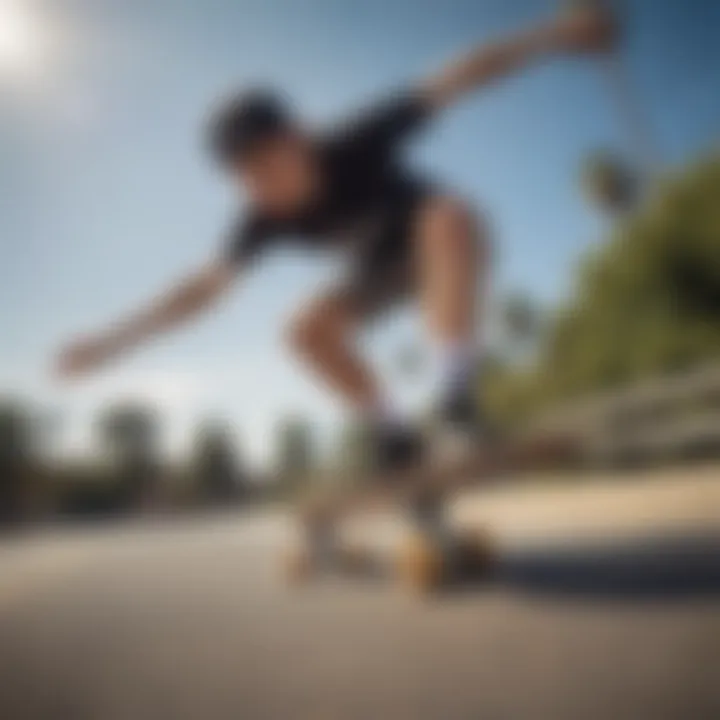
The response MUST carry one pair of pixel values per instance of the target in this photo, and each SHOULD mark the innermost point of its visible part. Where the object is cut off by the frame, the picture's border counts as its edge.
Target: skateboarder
(406, 237)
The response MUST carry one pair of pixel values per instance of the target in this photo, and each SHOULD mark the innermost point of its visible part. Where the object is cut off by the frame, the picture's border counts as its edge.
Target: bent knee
(303, 330)
(449, 221)
(315, 323)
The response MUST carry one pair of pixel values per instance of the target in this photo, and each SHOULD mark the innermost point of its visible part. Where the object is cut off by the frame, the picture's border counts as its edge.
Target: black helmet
(244, 120)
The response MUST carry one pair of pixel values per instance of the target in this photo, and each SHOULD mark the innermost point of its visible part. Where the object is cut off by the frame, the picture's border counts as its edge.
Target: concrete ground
(605, 605)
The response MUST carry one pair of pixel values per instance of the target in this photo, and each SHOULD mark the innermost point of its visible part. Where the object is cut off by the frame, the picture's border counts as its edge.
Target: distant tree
(215, 465)
(648, 301)
(294, 450)
(17, 449)
(354, 456)
(632, 116)
(645, 303)
(129, 433)
(521, 321)
(610, 183)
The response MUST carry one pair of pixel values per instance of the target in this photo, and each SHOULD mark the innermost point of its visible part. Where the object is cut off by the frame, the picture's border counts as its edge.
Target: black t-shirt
(363, 178)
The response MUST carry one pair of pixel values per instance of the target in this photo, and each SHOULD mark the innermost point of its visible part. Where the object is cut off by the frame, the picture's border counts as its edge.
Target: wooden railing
(663, 419)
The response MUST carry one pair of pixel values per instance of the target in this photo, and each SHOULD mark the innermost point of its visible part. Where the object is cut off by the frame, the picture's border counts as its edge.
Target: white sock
(456, 365)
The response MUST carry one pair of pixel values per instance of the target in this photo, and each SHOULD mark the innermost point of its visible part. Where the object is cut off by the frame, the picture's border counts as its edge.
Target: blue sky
(107, 196)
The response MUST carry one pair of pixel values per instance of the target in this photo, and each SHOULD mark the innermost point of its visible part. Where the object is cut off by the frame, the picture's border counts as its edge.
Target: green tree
(354, 456)
(521, 323)
(129, 434)
(647, 302)
(610, 183)
(631, 115)
(215, 465)
(17, 450)
(644, 304)
(294, 450)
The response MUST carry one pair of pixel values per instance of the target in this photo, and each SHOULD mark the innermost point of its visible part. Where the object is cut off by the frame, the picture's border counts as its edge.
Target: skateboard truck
(434, 555)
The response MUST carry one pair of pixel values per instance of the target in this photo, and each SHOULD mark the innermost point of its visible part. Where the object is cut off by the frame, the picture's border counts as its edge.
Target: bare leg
(452, 261)
(451, 257)
(322, 335)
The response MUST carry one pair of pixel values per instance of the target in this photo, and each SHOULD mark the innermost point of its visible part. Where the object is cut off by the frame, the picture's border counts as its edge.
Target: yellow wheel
(421, 563)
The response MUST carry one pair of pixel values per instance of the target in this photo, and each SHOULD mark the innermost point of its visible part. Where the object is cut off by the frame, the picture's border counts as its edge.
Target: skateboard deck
(434, 554)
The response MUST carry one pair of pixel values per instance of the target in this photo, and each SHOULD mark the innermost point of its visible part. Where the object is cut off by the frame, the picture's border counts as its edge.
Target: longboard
(425, 562)
(434, 554)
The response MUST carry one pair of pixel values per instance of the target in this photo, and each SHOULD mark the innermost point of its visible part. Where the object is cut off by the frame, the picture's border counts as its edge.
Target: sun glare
(21, 39)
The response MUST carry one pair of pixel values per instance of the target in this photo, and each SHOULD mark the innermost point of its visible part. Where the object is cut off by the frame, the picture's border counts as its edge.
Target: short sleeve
(386, 124)
(247, 239)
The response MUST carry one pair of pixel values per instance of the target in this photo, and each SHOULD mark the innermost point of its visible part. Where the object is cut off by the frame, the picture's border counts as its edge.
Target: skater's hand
(586, 28)
(84, 356)
(196, 292)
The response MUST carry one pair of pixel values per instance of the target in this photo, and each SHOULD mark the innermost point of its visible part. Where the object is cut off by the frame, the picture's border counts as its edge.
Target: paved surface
(192, 620)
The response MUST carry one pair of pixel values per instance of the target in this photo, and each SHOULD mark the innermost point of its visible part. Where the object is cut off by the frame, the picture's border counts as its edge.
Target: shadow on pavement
(643, 569)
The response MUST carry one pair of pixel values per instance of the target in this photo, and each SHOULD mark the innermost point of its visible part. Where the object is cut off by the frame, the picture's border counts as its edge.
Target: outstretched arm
(581, 30)
(183, 301)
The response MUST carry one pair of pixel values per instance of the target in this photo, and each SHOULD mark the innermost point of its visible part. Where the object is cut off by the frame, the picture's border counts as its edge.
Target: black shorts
(381, 272)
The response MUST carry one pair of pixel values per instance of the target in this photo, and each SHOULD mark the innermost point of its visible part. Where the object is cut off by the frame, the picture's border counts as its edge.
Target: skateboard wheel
(477, 551)
(421, 564)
